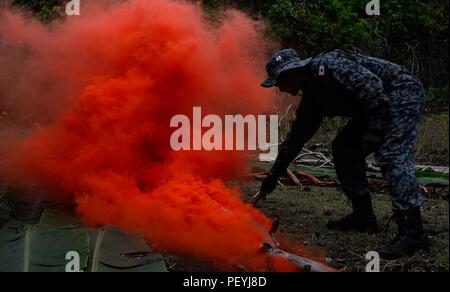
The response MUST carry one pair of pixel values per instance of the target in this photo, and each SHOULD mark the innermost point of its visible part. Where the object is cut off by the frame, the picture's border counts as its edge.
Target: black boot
(361, 220)
(410, 238)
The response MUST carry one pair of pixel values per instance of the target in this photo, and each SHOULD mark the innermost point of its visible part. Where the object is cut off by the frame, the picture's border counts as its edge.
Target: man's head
(291, 81)
(283, 70)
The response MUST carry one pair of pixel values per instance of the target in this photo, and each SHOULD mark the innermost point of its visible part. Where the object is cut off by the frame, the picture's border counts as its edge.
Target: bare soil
(304, 214)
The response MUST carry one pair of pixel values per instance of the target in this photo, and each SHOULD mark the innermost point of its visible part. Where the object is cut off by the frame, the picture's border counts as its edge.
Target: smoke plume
(91, 99)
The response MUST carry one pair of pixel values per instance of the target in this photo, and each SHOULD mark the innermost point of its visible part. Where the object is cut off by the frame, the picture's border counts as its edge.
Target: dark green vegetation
(413, 33)
(43, 10)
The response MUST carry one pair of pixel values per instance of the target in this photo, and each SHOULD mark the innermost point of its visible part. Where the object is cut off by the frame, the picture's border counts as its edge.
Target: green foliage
(212, 6)
(43, 10)
(317, 25)
(412, 33)
(437, 99)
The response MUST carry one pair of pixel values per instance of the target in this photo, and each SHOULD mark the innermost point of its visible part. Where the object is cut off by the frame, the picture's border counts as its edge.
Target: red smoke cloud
(101, 89)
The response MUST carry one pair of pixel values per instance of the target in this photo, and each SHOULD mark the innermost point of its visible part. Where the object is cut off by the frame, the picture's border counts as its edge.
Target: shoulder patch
(322, 70)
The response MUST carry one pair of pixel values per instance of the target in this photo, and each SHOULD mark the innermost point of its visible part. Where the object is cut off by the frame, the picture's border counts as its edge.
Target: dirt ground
(304, 214)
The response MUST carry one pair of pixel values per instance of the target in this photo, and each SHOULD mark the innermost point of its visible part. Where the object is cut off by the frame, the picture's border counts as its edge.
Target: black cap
(282, 61)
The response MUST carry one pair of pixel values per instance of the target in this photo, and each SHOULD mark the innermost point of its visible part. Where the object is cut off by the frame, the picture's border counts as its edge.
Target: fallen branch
(322, 158)
(424, 189)
(294, 179)
(314, 179)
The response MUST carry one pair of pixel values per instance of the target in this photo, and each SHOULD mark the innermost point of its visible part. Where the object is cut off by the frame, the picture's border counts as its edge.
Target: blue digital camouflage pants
(393, 146)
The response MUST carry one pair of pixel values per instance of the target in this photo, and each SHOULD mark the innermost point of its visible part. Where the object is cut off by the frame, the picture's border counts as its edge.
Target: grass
(433, 140)
(304, 214)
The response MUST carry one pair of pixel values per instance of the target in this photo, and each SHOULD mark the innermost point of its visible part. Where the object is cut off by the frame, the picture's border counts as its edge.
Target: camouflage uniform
(384, 101)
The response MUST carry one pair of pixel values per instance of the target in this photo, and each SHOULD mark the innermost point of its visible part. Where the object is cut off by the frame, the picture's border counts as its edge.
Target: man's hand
(257, 197)
(267, 186)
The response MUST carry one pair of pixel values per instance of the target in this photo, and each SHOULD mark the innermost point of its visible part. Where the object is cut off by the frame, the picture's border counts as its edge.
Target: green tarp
(42, 247)
(424, 177)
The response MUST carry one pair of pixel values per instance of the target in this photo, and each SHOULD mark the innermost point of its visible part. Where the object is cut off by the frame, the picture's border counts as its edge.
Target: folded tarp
(43, 247)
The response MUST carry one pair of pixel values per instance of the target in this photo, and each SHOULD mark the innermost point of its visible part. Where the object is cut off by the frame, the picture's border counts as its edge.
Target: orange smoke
(101, 89)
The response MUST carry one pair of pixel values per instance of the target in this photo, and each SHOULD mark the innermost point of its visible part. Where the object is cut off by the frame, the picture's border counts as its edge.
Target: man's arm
(307, 122)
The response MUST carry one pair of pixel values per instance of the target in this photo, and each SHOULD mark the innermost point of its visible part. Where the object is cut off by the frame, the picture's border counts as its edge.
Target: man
(384, 101)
